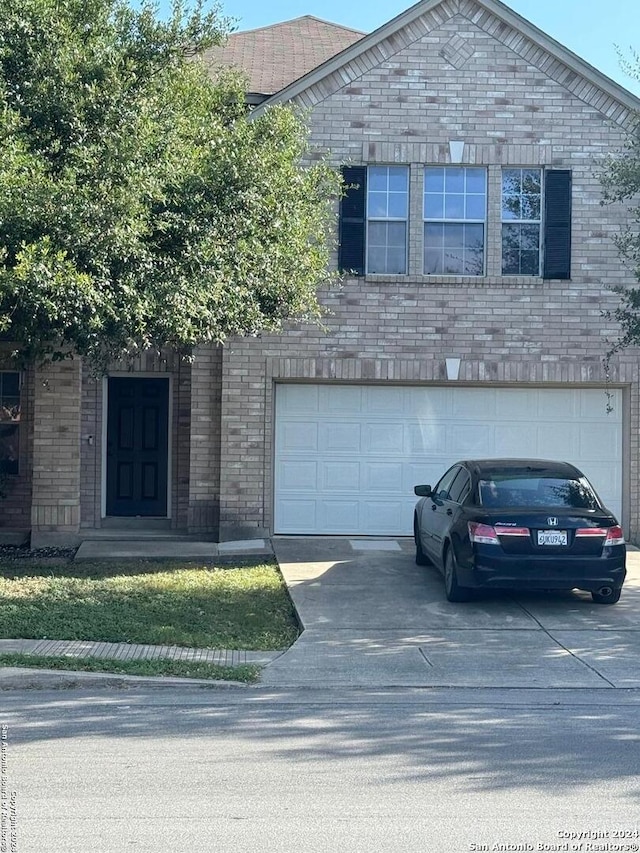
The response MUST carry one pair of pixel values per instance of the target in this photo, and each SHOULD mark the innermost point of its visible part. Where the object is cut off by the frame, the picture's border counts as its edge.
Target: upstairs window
(9, 421)
(387, 213)
(455, 209)
(521, 221)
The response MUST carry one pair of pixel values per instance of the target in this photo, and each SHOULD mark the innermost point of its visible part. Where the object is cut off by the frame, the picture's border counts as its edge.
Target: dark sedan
(519, 524)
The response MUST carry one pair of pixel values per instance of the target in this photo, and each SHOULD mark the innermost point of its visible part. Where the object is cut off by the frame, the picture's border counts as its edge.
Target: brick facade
(454, 74)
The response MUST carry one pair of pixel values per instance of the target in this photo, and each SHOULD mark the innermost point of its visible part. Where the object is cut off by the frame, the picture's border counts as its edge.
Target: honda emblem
(552, 521)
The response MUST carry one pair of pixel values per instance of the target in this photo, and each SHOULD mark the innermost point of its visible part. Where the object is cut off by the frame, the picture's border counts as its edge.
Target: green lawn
(141, 601)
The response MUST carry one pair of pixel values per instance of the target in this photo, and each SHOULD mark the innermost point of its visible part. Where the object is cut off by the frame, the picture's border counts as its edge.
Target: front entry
(137, 446)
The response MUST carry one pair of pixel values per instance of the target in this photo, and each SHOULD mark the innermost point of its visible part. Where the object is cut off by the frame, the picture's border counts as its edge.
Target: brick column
(55, 507)
(204, 461)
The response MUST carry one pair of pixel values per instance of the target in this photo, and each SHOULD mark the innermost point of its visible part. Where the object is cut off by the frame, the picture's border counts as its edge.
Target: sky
(590, 28)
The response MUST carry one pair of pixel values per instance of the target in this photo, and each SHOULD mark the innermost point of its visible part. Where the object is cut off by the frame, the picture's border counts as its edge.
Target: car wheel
(421, 557)
(451, 588)
(612, 598)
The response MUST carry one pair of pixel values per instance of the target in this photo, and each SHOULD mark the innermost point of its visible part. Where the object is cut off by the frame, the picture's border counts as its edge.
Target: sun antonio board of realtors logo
(552, 521)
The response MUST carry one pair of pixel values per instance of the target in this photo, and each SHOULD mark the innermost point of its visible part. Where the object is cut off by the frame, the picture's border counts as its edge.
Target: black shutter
(557, 224)
(353, 220)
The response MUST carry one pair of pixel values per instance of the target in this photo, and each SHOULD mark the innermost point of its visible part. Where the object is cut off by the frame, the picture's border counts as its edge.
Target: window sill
(440, 280)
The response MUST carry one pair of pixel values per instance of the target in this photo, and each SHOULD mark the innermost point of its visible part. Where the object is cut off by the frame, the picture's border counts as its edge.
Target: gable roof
(523, 37)
(273, 57)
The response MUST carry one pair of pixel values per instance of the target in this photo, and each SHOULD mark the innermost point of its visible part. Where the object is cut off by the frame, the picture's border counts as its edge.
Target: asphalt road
(237, 771)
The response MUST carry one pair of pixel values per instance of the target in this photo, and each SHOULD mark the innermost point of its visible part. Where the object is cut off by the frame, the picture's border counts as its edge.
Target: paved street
(404, 771)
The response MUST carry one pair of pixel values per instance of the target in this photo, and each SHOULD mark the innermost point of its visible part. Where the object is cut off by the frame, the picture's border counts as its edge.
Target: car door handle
(433, 507)
(449, 511)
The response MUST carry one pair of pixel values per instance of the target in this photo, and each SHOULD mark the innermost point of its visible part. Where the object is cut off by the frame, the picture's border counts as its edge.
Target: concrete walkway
(134, 651)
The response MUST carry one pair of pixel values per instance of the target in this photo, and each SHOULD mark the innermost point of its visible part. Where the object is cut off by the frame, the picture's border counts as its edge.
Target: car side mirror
(423, 491)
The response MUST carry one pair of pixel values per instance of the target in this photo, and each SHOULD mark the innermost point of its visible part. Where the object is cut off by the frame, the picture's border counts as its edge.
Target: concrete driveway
(373, 618)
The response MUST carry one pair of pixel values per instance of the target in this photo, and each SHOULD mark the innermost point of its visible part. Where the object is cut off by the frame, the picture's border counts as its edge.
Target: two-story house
(470, 323)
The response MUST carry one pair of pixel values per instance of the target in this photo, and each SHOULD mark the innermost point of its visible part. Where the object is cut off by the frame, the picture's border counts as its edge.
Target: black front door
(137, 446)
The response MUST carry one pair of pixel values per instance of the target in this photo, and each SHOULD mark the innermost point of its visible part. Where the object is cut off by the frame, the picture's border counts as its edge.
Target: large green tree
(139, 204)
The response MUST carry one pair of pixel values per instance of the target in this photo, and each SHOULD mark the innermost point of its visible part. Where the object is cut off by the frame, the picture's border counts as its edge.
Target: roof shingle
(273, 57)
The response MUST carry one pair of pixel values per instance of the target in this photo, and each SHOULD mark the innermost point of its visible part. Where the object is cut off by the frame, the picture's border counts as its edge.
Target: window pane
(474, 235)
(530, 237)
(377, 205)
(398, 179)
(396, 261)
(454, 180)
(475, 207)
(531, 181)
(9, 448)
(434, 206)
(511, 207)
(530, 207)
(476, 181)
(377, 178)
(433, 233)
(529, 263)
(376, 256)
(10, 384)
(434, 180)
(511, 182)
(453, 261)
(377, 234)
(397, 205)
(454, 235)
(454, 206)
(432, 262)
(396, 234)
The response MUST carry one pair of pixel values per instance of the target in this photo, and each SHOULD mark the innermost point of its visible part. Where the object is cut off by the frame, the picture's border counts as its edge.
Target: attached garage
(348, 456)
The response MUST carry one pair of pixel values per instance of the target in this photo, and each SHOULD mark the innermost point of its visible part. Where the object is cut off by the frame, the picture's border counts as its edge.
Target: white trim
(147, 374)
(495, 7)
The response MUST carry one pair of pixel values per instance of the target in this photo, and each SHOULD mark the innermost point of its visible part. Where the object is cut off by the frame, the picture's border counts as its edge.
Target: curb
(23, 678)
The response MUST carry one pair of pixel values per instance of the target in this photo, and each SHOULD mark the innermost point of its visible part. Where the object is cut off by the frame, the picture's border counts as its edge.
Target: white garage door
(348, 456)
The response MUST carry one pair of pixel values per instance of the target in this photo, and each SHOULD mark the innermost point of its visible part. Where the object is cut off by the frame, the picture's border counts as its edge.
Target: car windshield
(504, 490)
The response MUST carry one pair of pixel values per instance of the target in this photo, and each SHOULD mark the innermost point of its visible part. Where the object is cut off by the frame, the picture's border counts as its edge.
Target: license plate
(552, 537)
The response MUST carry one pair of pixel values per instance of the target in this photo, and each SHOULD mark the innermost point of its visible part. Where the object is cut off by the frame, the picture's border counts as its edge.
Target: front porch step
(132, 535)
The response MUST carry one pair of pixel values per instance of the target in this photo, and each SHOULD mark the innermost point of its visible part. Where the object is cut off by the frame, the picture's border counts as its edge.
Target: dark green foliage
(139, 205)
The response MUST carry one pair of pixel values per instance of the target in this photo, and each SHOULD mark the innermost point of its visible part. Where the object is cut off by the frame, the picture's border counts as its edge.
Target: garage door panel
(384, 437)
(340, 476)
(383, 477)
(558, 404)
(596, 438)
(366, 447)
(298, 436)
(297, 516)
(477, 400)
(340, 399)
(469, 441)
(514, 404)
(383, 400)
(381, 518)
(556, 442)
(426, 437)
(429, 404)
(340, 516)
(298, 475)
(339, 437)
(301, 399)
(594, 405)
(513, 439)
